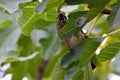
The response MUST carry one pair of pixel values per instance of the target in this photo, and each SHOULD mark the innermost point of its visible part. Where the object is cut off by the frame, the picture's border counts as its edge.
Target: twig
(113, 32)
(93, 24)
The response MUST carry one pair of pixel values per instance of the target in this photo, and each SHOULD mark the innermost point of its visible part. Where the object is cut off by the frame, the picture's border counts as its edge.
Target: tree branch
(41, 69)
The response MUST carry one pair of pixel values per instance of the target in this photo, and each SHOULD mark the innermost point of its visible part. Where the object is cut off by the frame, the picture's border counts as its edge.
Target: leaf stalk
(93, 23)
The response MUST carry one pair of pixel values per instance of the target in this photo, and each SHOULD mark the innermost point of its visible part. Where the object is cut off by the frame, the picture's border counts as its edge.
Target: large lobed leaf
(28, 18)
(9, 36)
(31, 19)
(10, 52)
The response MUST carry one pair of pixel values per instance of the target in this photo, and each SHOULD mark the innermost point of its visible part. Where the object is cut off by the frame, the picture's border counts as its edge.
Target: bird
(75, 39)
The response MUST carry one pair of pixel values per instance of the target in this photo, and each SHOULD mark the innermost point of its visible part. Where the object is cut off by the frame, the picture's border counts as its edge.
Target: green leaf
(88, 73)
(59, 72)
(8, 41)
(51, 45)
(90, 2)
(74, 74)
(84, 52)
(95, 61)
(28, 70)
(115, 64)
(78, 75)
(29, 17)
(11, 5)
(102, 24)
(73, 25)
(5, 23)
(11, 56)
(42, 24)
(41, 6)
(70, 57)
(52, 62)
(115, 37)
(109, 51)
(96, 6)
(71, 73)
(112, 2)
(71, 28)
(114, 20)
(29, 54)
(89, 50)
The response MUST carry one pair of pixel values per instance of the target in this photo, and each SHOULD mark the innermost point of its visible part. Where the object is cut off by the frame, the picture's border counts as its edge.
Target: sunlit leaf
(109, 51)
(28, 19)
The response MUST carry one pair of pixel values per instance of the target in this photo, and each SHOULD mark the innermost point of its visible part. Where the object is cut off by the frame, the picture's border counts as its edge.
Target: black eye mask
(61, 17)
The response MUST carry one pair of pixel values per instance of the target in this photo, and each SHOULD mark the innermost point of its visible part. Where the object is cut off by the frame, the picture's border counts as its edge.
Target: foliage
(29, 40)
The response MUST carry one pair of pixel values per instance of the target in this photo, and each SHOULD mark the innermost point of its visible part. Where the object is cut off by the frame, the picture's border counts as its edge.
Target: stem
(41, 69)
(113, 32)
(93, 24)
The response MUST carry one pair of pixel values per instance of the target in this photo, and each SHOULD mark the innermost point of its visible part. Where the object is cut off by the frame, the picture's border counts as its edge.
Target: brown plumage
(75, 39)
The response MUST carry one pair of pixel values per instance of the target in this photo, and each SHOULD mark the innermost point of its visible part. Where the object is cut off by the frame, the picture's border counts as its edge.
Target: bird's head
(61, 21)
